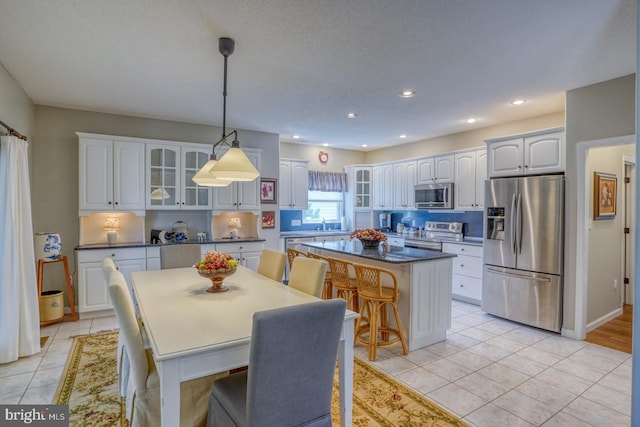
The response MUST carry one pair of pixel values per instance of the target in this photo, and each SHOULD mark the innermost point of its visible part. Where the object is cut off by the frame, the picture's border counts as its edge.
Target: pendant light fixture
(234, 164)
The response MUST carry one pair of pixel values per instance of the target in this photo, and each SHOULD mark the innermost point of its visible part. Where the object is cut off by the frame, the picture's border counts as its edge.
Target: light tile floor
(489, 371)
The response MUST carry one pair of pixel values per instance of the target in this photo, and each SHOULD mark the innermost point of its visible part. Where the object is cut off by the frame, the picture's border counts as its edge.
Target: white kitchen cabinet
(466, 283)
(293, 185)
(170, 167)
(383, 186)
(111, 174)
(360, 183)
(435, 169)
(470, 174)
(404, 181)
(246, 253)
(529, 154)
(93, 294)
(239, 195)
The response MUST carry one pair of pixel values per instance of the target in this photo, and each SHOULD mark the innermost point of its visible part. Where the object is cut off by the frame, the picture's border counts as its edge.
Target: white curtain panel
(19, 314)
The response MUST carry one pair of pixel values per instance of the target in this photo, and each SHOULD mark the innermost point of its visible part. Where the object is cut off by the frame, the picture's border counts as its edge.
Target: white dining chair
(143, 391)
(122, 361)
(272, 264)
(307, 275)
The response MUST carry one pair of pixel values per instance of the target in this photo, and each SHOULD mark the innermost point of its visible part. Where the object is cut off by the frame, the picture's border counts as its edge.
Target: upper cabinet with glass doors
(170, 169)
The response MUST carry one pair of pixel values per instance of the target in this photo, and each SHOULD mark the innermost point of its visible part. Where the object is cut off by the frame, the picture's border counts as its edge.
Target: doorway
(629, 229)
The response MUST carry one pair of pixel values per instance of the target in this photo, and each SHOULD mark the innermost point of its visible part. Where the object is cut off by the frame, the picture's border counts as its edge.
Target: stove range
(434, 234)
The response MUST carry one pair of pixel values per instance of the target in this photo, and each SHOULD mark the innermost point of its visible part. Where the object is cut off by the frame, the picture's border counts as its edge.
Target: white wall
(338, 158)
(16, 109)
(606, 236)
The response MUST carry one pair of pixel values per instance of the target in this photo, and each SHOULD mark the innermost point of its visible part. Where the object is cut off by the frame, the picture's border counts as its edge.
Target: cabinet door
(95, 174)
(544, 153)
(464, 192)
(505, 157)
(92, 289)
(443, 166)
(284, 185)
(225, 198)
(481, 176)
(404, 181)
(194, 196)
(362, 188)
(299, 185)
(251, 260)
(426, 171)
(163, 176)
(383, 187)
(128, 175)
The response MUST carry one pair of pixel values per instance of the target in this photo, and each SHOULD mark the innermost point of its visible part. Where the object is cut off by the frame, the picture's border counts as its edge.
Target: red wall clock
(323, 157)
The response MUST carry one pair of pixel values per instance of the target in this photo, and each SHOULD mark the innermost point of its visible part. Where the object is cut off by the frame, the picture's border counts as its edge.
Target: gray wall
(599, 111)
(55, 163)
(462, 140)
(338, 158)
(605, 236)
(16, 109)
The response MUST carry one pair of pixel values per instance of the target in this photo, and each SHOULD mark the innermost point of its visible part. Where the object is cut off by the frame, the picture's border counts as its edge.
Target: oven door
(423, 244)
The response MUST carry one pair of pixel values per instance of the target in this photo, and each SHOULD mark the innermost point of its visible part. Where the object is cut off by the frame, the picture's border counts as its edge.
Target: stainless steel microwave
(434, 196)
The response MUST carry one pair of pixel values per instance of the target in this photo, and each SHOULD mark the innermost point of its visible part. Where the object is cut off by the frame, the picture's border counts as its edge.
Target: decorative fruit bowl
(216, 266)
(369, 237)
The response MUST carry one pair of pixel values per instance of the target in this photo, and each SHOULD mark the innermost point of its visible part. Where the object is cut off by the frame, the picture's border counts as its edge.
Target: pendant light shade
(204, 178)
(234, 164)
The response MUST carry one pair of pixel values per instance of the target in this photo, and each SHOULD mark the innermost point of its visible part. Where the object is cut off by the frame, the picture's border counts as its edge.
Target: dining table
(194, 333)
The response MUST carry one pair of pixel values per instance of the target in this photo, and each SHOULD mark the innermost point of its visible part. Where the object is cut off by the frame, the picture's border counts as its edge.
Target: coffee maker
(385, 221)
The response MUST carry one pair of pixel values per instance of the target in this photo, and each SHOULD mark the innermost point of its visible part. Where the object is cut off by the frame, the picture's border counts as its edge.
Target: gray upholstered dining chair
(296, 345)
(179, 255)
(143, 391)
(307, 275)
(272, 264)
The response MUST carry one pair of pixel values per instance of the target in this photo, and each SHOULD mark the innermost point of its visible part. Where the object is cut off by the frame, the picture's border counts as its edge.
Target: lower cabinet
(467, 271)
(247, 254)
(93, 295)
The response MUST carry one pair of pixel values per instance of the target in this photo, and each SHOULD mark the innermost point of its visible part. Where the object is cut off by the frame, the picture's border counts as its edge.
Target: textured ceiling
(301, 65)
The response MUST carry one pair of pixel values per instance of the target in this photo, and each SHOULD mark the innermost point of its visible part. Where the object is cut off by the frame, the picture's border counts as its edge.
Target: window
(322, 204)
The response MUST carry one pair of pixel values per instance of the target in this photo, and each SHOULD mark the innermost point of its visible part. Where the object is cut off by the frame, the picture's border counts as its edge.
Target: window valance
(327, 181)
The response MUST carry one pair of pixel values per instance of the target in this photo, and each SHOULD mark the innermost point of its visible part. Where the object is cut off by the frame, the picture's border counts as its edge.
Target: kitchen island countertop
(393, 254)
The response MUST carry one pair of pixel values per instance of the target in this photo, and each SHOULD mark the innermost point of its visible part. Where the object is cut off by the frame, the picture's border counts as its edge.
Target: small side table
(72, 303)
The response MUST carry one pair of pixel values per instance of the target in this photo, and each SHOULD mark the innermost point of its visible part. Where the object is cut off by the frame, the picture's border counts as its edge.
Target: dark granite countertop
(393, 254)
(308, 233)
(149, 245)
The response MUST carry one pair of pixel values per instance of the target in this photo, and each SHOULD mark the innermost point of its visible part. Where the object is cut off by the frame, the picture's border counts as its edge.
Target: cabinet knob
(519, 167)
(461, 285)
(462, 249)
(109, 202)
(113, 254)
(526, 166)
(177, 203)
(116, 203)
(461, 265)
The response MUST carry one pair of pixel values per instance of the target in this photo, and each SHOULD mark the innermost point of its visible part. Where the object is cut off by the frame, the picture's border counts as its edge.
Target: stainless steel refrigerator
(523, 250)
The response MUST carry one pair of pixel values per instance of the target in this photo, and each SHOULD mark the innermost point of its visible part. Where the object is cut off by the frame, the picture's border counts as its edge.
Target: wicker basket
(369, 244)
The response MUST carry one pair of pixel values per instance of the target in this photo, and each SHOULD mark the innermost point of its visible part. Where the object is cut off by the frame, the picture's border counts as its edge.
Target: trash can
(51, 306)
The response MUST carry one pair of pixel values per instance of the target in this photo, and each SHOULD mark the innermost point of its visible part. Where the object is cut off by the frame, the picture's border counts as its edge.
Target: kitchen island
(424, 282)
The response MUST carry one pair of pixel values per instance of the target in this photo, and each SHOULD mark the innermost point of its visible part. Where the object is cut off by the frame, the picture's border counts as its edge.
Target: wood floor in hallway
(616, 333)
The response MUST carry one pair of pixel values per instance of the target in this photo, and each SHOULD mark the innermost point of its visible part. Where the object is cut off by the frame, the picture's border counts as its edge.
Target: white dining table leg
(169, 372)
(345, 372)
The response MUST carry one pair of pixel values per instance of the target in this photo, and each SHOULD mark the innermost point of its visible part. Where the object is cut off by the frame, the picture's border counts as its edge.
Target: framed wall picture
(268, 219)
(604, 195)
(268, 190)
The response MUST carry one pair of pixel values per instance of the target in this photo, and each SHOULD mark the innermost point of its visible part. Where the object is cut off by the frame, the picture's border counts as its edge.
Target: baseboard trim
(604, 319)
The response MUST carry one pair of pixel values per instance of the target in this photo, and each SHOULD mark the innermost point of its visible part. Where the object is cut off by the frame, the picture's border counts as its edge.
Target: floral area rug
(89, 384)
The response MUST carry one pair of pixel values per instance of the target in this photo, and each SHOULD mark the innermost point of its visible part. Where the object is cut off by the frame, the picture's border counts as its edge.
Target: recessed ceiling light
(403, 136)
(351, 115)
(518, 101)
(471, 120)
(325, 144)
(296, 136)
(364, 145)
(407, 94)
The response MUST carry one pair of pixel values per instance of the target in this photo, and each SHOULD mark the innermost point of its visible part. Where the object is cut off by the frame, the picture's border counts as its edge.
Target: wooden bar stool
(327, 290)
(373, 314)
(345, 284)
(72, 304)
(292, 254)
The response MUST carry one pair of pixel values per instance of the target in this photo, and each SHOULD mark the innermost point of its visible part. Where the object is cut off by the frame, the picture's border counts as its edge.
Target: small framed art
(268, 219)
(604, 195)
(268, 190)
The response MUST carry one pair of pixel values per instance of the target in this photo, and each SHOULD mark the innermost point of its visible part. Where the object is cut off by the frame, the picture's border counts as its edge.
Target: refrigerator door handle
(520, 276)
(519, 223)
(512, 230)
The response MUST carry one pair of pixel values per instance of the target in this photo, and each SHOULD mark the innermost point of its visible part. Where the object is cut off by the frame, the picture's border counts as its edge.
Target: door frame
(583, 223)
(629, 247)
